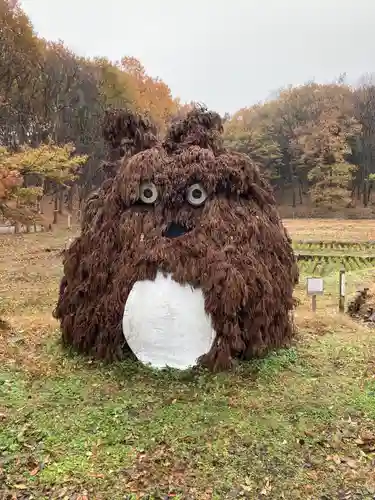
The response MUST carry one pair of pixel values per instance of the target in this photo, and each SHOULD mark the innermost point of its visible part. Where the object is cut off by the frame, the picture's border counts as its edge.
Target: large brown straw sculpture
(191, 208)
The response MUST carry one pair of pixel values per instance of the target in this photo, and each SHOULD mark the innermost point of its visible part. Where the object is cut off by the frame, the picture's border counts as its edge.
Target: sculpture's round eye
(196, 195)
(148, 192)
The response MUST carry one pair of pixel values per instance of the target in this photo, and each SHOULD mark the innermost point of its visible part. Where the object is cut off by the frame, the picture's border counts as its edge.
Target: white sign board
(315, 286)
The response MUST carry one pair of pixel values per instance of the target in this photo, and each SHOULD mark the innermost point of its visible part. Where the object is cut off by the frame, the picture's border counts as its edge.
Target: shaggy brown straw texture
(234, 247)
(125, 133)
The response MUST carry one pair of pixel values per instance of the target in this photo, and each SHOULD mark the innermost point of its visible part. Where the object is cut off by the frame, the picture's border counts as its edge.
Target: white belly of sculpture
(165, 324)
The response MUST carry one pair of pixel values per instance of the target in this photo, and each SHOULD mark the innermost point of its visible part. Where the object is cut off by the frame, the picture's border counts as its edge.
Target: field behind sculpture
(331, 229)
(298, 424)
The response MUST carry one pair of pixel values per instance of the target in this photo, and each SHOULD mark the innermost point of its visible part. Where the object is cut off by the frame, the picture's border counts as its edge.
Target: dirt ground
(331, 230)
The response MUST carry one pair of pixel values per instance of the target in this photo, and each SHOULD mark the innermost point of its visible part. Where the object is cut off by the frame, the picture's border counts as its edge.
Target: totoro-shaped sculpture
(182, 258)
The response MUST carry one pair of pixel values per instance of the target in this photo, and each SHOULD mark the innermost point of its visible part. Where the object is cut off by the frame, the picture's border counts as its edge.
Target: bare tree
(364, 106)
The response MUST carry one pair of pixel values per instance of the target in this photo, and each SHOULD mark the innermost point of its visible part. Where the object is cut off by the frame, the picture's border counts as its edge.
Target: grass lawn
(296, 425)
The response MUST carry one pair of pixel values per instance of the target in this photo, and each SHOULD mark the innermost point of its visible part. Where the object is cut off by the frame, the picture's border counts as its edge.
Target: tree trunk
(56, 208)
(294, 198)
(81, 200)
(40, 200)
(293, 178)
(71, 198)
(365, 193)
(366, 167)
(300, 192)
(61, 200)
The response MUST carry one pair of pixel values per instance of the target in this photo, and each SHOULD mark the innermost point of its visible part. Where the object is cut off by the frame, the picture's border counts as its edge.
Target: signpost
(315, 286)
(342, 291)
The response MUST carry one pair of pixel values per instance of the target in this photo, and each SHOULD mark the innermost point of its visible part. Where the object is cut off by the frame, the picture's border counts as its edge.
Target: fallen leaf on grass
(366, 442)
(313, 475)
(266, 489)
(353, 464)
(334, 458)
(35, 471)
(310, 434)
(368, 436)
(336, 441)
(350, 462)
(20, 486)
(345, 495)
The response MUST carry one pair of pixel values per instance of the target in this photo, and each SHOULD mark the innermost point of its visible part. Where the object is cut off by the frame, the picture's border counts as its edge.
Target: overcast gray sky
(227, 54)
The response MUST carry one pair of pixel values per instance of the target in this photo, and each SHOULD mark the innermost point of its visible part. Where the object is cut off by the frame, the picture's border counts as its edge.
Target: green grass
(325, 257)
(298, 424)
(111, 430)
(335, 246)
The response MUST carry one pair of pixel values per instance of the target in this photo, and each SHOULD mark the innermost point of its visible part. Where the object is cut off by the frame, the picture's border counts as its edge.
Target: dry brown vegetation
(331, 229)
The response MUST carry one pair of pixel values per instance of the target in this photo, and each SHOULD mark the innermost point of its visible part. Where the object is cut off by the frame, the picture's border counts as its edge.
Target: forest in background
(316, 142)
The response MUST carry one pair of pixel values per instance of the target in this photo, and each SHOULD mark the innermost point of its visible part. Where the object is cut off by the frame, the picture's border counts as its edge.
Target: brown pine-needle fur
(125, 133)
(235, 248)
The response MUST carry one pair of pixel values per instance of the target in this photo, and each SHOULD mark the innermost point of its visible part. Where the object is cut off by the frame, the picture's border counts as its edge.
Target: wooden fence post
(313, 303)
(342, 290)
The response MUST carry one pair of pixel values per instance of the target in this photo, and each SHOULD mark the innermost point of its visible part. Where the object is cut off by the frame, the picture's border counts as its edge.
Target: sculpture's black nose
(175, 230)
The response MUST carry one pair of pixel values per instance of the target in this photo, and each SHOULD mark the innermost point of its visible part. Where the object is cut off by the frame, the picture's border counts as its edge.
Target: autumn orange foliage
(9, 179)
(152, 95)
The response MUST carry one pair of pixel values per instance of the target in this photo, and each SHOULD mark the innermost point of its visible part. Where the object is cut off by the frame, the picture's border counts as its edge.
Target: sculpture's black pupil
(147, 193)
(197, 193)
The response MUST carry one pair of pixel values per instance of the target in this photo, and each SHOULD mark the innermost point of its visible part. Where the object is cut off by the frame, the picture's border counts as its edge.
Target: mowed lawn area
(298, 424)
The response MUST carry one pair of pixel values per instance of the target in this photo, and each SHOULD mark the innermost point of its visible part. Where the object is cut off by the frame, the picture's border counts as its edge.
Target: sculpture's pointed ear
(127, 133)
(109, 169)
(200, 127)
